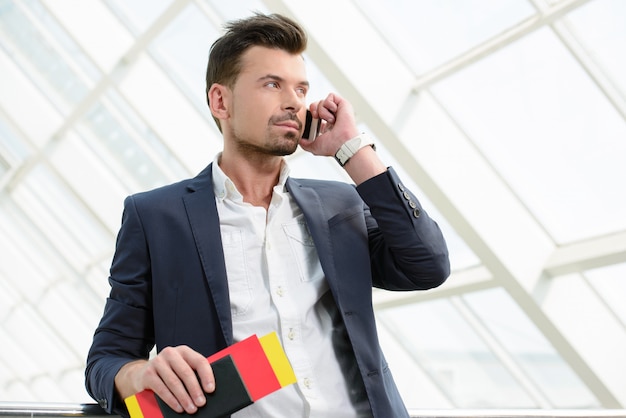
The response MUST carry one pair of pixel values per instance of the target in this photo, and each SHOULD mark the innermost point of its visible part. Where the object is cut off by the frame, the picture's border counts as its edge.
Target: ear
(219, 101)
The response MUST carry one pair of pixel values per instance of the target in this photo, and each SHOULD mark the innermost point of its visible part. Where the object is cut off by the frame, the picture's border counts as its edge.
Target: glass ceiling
(507, 117)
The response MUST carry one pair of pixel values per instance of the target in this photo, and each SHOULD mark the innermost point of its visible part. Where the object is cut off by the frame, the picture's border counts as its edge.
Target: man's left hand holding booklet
(244, 373)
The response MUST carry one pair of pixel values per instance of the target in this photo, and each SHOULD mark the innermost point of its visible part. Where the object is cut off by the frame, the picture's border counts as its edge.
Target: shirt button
(280, 291)
(292, 334)
(307, 383)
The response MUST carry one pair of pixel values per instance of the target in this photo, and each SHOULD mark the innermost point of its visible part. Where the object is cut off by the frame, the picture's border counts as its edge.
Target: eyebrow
(281, 79)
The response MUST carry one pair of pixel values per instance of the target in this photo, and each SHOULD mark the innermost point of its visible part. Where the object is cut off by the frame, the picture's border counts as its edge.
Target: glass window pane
(62, 218)
(82, 164)
(67, 308)
(48, 385)
(185, 132)
(428, 33)
(187, 66)
(9, 297)
(43, 53)
(418, 391)
(521, 338)
(610, 283)
(454, 356)
(12, 149)
(138, 14)
(108, 128)
(28, 329)
(21, 239)
(600, 27)
(21, 98)
(17, 389)
(19, 365)
(584, 318)
(71, 49)
(560, 147)
(95, 29)
(96, 278)
(229, 10)
(4, 166)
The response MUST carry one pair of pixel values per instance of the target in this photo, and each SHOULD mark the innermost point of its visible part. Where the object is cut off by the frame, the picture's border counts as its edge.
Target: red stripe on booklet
(254, 366)
(148, 404)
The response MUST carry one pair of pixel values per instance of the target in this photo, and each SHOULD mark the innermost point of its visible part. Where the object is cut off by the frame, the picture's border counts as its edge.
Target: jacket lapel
(205, 226)
(310, 203)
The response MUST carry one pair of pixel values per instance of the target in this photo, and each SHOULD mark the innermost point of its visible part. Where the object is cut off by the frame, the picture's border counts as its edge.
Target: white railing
(38, 409)
(15, 410)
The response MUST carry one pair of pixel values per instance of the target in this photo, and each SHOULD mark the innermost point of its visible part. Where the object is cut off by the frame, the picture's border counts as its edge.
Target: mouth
(290, 124)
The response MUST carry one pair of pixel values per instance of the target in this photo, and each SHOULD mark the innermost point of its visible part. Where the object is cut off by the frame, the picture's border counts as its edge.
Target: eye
(302, 91)
(272, 84)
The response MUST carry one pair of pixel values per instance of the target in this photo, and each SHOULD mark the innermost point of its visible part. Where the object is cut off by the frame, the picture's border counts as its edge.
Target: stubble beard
(274, 145)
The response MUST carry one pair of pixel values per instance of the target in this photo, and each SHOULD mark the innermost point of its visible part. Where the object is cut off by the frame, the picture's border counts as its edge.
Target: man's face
(268, 106)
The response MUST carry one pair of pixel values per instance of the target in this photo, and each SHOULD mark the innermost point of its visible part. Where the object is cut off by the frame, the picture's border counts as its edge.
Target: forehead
(260, 61)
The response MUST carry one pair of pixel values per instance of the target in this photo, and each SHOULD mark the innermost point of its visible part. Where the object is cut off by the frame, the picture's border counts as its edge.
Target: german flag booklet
(244, 373)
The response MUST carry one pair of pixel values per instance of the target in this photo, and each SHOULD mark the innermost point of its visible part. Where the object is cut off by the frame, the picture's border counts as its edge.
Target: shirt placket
(282, 270)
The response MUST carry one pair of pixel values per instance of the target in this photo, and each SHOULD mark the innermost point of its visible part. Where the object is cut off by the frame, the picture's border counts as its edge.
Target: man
(244, 249)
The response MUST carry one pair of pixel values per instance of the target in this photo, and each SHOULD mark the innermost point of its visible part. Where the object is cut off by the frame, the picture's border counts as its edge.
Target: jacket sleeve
(407, 248)
(126, 331)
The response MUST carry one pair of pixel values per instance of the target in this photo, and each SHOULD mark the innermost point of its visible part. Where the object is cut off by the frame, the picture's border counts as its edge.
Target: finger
(196, 369)
(204, 372)
(167, 396)
(327, 113)
(175, 374)
(156, 378)
(330, 107)
(314, 109)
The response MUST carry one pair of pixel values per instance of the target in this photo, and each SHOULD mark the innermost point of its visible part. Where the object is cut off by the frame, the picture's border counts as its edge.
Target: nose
(293, 101)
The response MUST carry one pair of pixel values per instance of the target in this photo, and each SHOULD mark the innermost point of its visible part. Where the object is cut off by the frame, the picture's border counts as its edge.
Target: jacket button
(412, 204)
(401, 187)
(416, 213)
(406, 195)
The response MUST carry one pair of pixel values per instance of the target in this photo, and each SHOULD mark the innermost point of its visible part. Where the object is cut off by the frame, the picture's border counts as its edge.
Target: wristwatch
(351, 146)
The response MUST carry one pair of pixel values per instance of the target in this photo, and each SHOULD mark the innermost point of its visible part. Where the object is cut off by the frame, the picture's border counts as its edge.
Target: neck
(254, 179)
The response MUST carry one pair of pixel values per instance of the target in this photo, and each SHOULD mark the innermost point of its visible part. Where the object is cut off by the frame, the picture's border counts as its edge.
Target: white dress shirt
(276, 283)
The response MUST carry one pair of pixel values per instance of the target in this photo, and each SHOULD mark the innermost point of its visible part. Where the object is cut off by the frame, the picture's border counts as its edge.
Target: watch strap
(352, 146)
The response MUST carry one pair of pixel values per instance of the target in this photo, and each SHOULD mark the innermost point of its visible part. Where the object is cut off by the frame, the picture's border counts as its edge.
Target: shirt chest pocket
(303, 250)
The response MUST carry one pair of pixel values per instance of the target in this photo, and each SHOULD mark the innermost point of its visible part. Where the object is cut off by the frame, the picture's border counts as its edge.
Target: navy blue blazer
(169, 286)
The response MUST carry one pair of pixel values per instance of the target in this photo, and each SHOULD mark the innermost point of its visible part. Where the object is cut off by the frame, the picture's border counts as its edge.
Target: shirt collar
(223, 187)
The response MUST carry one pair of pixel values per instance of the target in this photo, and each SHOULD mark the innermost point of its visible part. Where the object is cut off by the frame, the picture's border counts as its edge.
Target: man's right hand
(173, 375)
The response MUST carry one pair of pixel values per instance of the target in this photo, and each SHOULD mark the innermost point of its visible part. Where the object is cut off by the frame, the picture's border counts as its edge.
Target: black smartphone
(311, 127)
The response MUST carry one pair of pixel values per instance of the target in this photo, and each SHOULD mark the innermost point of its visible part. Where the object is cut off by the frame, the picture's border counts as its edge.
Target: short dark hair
(270, 31)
